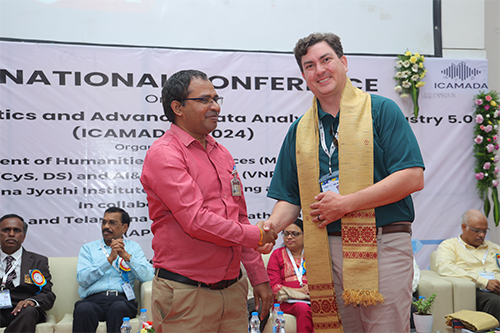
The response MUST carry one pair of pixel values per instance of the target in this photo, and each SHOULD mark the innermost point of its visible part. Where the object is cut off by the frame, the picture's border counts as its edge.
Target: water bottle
(143, 318)
(255, 323)
(279, 323)
(126, 328)
(276, 308)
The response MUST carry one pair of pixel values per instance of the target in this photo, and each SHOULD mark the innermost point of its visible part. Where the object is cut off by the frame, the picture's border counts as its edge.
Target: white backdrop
(270, 25)
(76, 121)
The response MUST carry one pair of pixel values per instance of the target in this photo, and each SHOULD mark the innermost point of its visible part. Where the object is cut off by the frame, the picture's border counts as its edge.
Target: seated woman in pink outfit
(286, 268)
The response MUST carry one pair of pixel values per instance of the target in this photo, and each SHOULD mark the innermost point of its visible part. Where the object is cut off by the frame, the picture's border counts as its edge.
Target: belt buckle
(110, 292)
(215, 286)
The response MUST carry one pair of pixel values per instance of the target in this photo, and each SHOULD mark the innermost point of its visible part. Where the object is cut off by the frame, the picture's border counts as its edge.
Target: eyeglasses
(112, 223)
(206, 100)
(478, 231)
(292, 233)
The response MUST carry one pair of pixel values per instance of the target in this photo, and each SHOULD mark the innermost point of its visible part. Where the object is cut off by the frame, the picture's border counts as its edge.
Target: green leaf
(487, 206)
(496, 205)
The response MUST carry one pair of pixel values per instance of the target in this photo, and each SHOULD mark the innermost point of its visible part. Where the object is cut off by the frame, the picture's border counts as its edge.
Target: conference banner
(76, 122)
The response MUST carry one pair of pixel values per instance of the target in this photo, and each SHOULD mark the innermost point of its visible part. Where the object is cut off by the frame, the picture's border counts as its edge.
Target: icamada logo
(463, 77)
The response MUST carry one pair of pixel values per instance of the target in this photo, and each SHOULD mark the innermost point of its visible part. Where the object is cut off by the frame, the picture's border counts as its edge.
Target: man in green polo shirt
(396, 171)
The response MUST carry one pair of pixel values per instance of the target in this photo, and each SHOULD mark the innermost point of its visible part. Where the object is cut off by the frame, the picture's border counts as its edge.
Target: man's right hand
(268, 236)
(493, 286)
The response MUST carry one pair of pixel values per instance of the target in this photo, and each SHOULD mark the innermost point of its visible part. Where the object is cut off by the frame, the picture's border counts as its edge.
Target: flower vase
(423, 323)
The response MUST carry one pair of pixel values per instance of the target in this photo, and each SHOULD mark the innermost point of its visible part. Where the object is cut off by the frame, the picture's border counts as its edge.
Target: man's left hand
(493, 286)
(21, 305)
(329, 207)
(262, 292)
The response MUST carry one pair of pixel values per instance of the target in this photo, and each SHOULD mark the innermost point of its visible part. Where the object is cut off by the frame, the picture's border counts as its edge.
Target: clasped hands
(329, 207)
(269, 236)
(118, 249)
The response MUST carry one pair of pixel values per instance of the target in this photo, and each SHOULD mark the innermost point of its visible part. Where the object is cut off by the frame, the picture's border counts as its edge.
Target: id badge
(489, 276)
(5, 301)
(330, 182)
(128, 290)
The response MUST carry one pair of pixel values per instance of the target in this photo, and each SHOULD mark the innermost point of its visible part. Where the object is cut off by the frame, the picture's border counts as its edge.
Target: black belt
(386, 229)
(110, 293)
(168, 275)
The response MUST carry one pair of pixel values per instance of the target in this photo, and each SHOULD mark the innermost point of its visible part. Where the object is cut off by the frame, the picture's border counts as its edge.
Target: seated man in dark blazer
(26, 287)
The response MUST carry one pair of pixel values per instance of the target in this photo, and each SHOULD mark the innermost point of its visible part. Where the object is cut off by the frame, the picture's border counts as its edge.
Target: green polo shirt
(395, 148)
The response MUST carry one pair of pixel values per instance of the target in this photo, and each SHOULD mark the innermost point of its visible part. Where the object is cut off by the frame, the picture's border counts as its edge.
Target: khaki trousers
(395, 260)
(179, 307)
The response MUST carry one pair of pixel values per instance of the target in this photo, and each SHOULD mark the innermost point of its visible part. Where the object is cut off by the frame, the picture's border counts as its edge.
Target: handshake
(268, 237)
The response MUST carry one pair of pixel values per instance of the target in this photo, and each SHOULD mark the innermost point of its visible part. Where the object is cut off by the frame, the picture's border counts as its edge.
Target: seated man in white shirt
(471, 257)
(106, 272)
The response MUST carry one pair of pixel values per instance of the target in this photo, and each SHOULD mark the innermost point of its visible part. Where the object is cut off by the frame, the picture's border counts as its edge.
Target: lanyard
(12, 268)
(484, 257)
(298, 272)
(125, 278)
(323, 144)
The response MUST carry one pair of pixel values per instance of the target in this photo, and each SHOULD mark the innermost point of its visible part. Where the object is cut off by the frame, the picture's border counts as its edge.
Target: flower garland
(410, 70)
(487, 116)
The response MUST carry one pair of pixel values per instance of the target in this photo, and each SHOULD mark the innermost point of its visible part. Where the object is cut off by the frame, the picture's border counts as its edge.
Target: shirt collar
(17, 255)
(322, 114)
(186, 138)
(482, 246)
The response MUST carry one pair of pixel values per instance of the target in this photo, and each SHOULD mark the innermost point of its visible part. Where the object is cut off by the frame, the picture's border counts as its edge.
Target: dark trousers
(99, 307)
(25, 321)
(488, 302)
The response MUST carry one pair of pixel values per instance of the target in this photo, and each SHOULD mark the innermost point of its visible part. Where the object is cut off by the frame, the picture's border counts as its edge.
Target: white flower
(406, 74)
(400, 75)
(406, 64)
(414, 68)
(487, 116)
(399, 63)
(415, 77)
(496, 114)
(406, 84)
(404, 95)
(398, 89)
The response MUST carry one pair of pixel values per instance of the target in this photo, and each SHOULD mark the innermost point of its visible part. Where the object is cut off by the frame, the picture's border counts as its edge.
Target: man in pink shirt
(200, 224)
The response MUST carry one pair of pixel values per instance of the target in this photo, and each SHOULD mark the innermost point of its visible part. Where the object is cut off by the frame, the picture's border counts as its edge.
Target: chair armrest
(464, 293)
(430, 282)
(146, 294)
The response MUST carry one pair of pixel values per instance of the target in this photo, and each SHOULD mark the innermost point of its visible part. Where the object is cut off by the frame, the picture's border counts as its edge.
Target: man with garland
(26, 282)
(106, 271)
(350, 163)
(471, 257)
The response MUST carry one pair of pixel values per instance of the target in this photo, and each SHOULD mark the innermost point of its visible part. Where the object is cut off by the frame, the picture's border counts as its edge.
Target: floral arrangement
(410, 71)
(423, 305)
(487, 116)
(147, 327)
